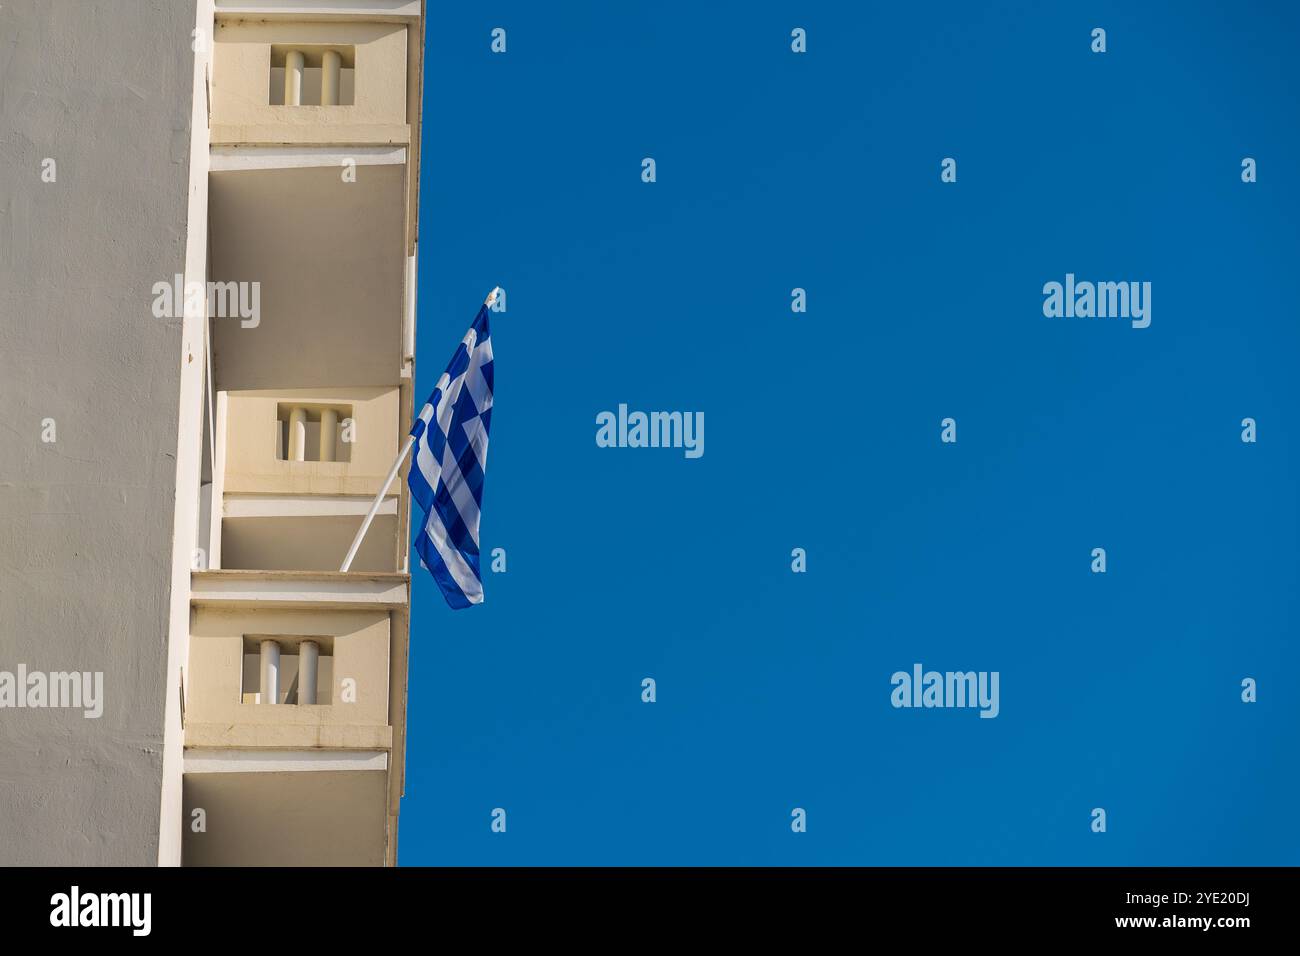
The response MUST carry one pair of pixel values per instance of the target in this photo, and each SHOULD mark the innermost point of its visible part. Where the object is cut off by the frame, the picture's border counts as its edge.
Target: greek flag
(446, 477)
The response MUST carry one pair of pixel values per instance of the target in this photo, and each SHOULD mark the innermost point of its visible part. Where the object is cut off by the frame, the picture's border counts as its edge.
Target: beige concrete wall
(216, 715)
(252, 427)
(241, 108)
(103, 88)
(300, 818)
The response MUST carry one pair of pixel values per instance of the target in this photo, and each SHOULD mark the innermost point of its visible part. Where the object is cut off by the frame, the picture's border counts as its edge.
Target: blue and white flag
(446, 476)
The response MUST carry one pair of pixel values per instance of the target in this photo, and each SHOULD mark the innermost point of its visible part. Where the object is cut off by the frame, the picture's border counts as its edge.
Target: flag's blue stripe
(459, 363)
(457, 532)
(419, 486)
(480, 325)
(472, 474)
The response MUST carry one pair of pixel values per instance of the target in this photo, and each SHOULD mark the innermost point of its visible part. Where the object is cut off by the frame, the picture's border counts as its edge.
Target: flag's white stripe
(426, 465)
(478, 386)
(478, 440)
(448, 407)
(423, 455)
(478, 389)
(460, 572)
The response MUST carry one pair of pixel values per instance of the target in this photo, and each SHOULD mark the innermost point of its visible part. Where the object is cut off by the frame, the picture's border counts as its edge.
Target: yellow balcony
(263, 455)
(295, 472)
(293, 709)
(309, 84)
(249, 665)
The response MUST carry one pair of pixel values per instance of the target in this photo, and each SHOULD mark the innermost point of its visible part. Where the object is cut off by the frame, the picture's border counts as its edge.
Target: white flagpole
(392, 473)
(374, 505)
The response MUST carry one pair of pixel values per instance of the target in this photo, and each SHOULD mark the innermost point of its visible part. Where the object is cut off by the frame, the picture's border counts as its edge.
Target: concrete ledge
(302, 506)
(225, 158)
(354, 590)
(204, 760)
(308, 10)
(314, 134)
(273, 737)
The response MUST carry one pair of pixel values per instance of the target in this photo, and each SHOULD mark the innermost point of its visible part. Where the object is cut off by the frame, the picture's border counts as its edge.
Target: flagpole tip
(492, 296)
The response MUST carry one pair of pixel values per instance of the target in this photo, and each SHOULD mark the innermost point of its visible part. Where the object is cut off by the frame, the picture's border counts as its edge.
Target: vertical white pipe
(308, 658)
(212, 408)
(298, 434)
(293, 70)
(329, 427)
(329, 78)
(270, 672)
(408, 320)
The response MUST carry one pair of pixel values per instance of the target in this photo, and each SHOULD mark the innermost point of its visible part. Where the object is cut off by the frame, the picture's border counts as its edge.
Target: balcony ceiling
(302, 818)
(330, 259)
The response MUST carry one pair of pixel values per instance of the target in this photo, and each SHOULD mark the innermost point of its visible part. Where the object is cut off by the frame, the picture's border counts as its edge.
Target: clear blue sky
(821, 171)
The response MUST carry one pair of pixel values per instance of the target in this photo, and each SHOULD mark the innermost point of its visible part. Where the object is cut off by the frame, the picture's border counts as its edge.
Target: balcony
(278, 678)
(296, 470)
(284, 776)
(309, 83)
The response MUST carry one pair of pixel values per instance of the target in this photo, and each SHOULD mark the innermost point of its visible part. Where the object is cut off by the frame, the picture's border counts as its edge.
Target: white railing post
(270, 672)
(297, 434)
(329, 426)
(308, 667)
(329, 78)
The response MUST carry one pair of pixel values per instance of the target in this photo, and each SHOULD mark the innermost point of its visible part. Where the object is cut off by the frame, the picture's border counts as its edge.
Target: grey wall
(103, 87)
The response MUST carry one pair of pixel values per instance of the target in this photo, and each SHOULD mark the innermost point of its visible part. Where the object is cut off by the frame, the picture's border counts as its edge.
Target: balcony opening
(287, 670)
(307, 543)
(312, 75)
(313, 432)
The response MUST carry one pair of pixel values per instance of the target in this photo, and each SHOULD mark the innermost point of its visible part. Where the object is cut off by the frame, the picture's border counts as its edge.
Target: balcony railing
(284, 82)
(266, 676)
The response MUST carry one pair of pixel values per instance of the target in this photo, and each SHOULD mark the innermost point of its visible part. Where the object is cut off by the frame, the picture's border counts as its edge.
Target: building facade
(214, 303)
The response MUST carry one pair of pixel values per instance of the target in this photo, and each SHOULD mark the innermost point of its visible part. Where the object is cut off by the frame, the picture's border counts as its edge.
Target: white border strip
(302, 506)
(198, 760)
(227, 158)
(369, 9)
(328, 590)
